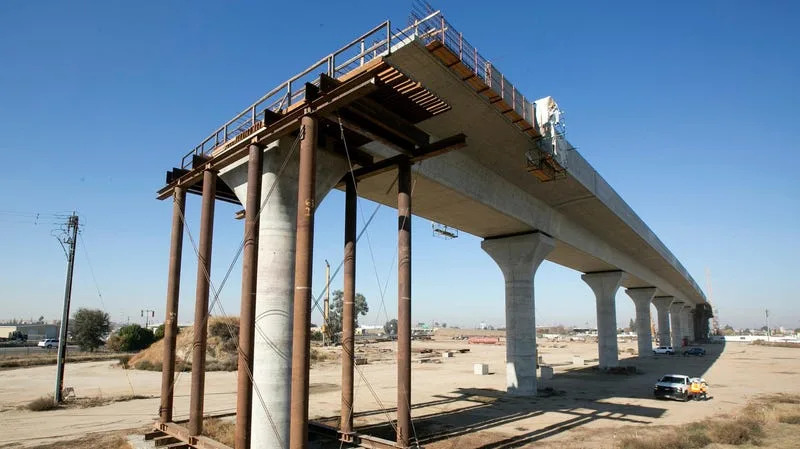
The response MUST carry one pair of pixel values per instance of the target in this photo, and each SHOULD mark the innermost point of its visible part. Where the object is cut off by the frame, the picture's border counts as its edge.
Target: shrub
(735, 431)
(790, 419)
(42, 404)
(131, 338)
(159, 332)
(146, 365)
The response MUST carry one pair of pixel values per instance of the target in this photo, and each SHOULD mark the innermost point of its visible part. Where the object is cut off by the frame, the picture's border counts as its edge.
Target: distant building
(33, 331)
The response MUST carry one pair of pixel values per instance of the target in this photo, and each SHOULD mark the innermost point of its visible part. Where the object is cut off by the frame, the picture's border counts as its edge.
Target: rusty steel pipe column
(404, 304)
(348, 317)
(201, 304)
(301, 325)
(247, 320)
(171, 316)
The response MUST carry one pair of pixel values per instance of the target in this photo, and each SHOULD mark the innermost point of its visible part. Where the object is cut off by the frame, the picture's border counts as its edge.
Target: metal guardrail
(378, 41)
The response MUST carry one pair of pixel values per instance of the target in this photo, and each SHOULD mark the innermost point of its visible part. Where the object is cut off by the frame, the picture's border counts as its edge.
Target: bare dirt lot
(452, 407)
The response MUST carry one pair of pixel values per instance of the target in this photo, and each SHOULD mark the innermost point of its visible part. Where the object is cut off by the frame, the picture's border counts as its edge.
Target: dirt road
(452, 407)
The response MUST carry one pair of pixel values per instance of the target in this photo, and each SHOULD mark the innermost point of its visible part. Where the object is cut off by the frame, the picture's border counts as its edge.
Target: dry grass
(99, 440)
(50, 359)
(46, 403)
(758, 423)
(221, 430)
(776, 344)
(41, 404)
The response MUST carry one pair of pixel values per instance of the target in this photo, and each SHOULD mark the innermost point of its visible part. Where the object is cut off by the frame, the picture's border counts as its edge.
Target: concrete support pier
(404, 429)
(272, 353)
(641, 300)
(675, 310)
(662, 309)
(518, 258)
(688, 323)
(605, 285)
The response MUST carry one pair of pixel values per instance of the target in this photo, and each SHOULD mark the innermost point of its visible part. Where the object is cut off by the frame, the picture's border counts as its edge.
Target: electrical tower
(68, 240)
(147, 314)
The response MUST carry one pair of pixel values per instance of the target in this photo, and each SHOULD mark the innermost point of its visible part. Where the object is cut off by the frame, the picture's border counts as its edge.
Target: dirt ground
(452, 407)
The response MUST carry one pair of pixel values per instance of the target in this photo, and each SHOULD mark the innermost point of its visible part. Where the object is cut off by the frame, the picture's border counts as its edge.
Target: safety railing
(378, 41)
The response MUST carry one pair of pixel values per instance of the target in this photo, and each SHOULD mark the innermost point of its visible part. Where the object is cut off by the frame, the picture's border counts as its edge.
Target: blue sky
(688, 109)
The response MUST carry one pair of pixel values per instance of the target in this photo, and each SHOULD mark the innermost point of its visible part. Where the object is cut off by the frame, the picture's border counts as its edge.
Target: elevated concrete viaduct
(400, 116)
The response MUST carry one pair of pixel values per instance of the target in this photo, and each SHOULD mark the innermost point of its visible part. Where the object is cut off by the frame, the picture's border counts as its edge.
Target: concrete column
(519, 257)
(272, 353)
(641, 300)
(662, 309)
(687, 324)
(605, 285)
(675, 320)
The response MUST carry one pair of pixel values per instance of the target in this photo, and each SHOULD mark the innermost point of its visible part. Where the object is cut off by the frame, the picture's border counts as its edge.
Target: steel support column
(244, 388)
(201, 304)
(348, 317)
(404, 304)
(171, 315)
(298, 421)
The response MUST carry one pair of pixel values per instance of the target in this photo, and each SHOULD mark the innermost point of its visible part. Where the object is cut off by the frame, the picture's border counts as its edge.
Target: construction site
(413, 117)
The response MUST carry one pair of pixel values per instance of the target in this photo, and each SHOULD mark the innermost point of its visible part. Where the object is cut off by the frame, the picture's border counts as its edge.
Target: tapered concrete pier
(641, 300)
(662, 309)
(272, 353)
(676, 322)
(518, 258)
(605, 285)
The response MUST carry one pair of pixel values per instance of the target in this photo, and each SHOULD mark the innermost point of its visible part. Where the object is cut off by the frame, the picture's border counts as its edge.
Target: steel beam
(201, 304)
(298, 421)
(348, 315)
(404, 304)
(244, 388)
(171, 315)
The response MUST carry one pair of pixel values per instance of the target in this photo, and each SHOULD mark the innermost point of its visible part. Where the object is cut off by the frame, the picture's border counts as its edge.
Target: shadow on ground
(573, 398)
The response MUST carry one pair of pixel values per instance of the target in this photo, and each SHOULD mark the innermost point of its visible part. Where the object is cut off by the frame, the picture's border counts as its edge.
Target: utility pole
(72, 233)
(147, 313)
(766, 318)
(326, 308)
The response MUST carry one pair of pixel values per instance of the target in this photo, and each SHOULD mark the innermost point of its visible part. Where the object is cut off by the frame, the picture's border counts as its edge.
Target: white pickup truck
(664, 350)
(674, 386)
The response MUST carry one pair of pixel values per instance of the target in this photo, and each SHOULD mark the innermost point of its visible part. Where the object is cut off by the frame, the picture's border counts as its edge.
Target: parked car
(695, 351)
(673, 386)
(48, 343)
(664, 350)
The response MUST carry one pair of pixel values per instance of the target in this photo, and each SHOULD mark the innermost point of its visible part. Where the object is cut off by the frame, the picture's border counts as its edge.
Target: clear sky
(688, 109)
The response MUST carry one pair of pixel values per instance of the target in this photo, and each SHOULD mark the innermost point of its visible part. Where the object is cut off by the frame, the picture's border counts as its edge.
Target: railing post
(502, 86)
(475, 50)
(416, 28)
(362, 52)
(461, 46)
(443, 42)
(288, 93)
(331, 65)
(253, 116)
(388, 37)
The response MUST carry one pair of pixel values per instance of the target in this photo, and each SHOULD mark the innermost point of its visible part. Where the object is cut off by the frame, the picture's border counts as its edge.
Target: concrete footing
(272, 353)
(518, 258)
(605, 285)
(662, 310)
(641, 300)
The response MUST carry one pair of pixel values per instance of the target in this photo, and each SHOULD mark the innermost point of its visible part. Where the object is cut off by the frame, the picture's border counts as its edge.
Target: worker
(698, 389)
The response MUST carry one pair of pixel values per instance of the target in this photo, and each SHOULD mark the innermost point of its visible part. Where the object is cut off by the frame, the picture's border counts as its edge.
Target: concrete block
(547, 372)
(447, 354)
(577, 360)
(481, 369)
